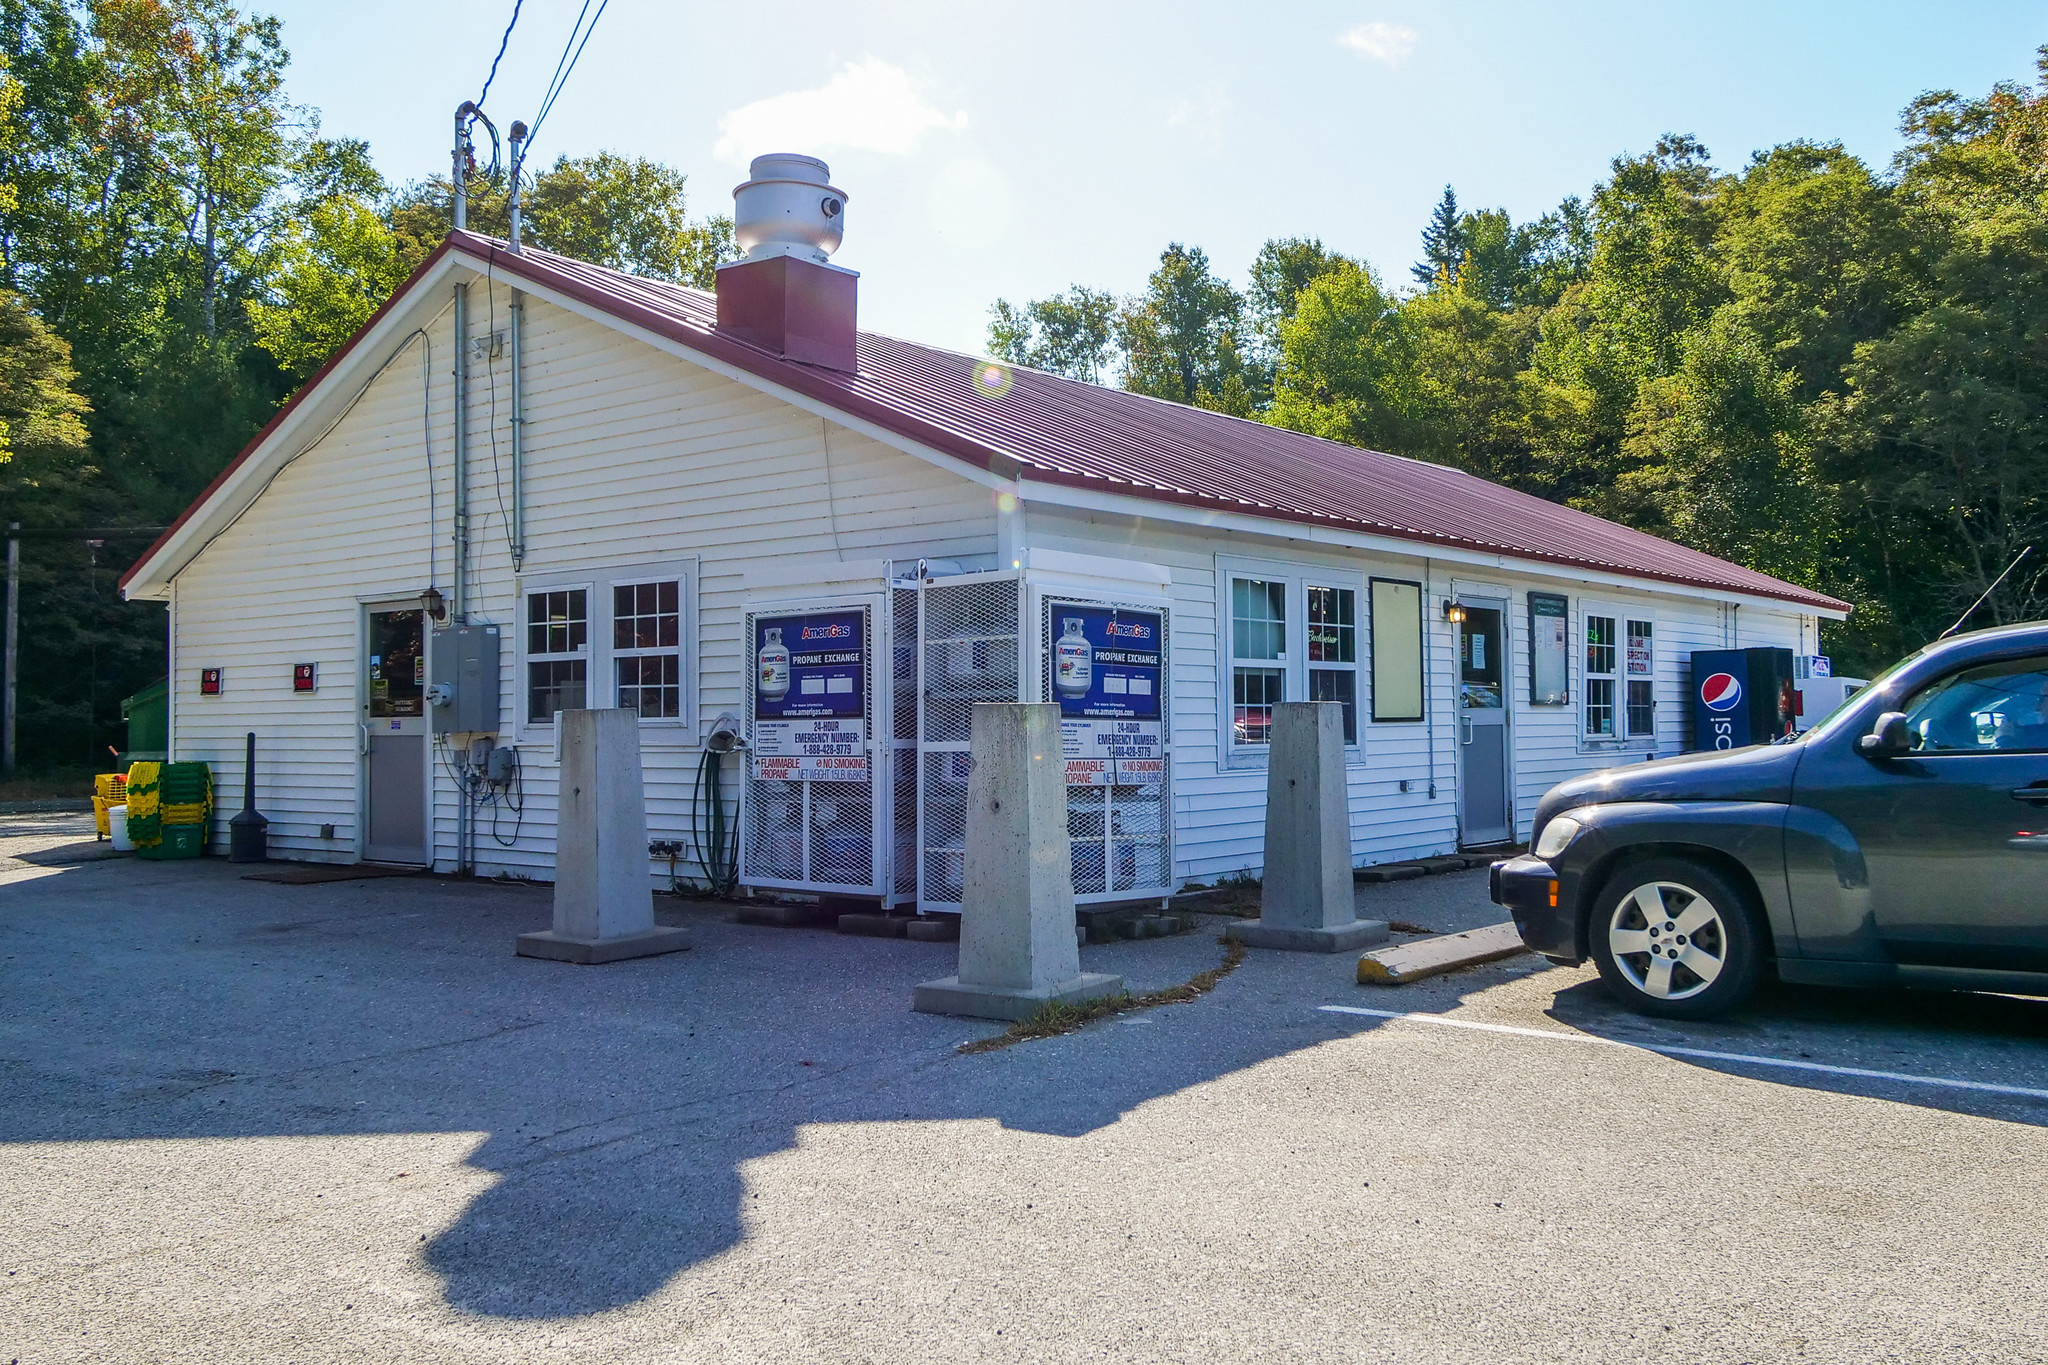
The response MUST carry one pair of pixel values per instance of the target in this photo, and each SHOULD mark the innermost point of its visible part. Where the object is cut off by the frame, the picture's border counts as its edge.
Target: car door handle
(2036, 795)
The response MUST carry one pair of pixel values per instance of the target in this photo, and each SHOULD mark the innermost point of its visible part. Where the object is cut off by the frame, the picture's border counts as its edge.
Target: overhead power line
(566, 66)
(503, 42)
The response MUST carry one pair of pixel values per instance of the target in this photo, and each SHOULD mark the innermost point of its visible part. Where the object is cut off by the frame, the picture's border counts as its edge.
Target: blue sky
(1010, 150)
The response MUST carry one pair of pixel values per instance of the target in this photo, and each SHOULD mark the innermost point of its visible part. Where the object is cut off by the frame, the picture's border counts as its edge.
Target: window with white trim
(1641, 696)
(1258, 656)
(1333, 651)
(1290, 637)
(1620, 672)
(1602, 659)
(647, 654)
(621, 638)
(557, 653)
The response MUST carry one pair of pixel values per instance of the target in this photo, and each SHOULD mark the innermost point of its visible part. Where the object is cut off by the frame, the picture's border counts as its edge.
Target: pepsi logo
(1721, 692)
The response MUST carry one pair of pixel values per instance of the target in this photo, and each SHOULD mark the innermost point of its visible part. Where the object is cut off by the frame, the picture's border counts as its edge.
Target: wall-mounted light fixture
(1454, 610)
(434, 606)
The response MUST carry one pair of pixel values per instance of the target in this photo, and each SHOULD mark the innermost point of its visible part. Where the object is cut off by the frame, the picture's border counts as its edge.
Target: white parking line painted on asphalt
(1747, 1059)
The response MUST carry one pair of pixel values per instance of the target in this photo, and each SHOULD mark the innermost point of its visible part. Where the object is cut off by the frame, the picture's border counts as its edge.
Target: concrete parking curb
(1407, 962)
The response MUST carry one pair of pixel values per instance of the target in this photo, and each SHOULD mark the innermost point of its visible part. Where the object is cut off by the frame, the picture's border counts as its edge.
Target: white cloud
(1383, 42)
(868, 106)
(1203, 119)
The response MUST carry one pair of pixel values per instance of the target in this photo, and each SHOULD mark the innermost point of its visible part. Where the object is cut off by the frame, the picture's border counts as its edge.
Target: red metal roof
(1062, 431)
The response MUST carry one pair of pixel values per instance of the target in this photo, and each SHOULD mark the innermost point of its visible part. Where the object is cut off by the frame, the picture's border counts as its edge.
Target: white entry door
(1483, 767)
(394, 736)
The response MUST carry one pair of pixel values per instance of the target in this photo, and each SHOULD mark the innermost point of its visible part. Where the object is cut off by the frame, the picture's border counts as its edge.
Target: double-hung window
(1290, 638)
(1258, 656)
(557, 653)
(1333, 651)
(1620, 675)
(1602, 656)
(621, 638)
(647, 657)
(1641, 697)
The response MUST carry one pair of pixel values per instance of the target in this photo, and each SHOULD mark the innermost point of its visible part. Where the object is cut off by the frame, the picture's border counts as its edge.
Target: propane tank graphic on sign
(774, 677)
(1074, 669)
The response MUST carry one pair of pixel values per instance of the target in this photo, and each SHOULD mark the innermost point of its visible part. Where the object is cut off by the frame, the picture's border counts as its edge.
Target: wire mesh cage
(1122, 833)
(968, 653)
(810, 832)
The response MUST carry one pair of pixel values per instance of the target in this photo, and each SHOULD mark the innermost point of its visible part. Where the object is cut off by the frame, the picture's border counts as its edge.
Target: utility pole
(13, 641)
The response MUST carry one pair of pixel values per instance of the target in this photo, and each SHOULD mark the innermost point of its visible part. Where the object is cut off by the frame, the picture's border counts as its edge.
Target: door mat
(307, 874)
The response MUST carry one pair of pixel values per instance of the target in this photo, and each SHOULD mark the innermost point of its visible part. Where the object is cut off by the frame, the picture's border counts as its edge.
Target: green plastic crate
(180, 841)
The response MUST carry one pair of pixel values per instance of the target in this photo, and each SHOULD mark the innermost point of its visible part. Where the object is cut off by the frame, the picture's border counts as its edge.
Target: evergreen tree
(1443, 244)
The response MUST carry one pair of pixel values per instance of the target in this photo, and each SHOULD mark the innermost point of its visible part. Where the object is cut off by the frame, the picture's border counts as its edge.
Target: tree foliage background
(180, 245)
(1832, 373)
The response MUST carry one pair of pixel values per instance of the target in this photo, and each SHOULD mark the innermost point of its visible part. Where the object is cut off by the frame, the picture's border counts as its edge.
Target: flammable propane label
(813, 749)
(1113, 753)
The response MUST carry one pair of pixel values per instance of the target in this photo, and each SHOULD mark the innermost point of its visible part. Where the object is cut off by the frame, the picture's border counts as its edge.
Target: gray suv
(1903, 841)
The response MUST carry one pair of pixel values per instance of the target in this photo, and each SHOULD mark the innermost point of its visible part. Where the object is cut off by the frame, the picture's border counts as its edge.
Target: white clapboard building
(530, 484)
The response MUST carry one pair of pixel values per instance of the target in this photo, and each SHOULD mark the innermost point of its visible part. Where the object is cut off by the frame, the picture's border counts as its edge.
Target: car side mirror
(1888, 738)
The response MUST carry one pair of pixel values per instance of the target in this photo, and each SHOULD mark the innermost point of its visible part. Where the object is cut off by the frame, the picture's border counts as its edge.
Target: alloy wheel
(1668, 940)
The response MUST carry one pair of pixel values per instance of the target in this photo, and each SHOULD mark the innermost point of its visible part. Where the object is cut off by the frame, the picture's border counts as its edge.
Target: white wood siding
(632, 456)
(1220, 808)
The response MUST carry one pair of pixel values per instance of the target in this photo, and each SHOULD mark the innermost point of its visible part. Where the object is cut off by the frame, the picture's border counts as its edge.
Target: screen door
(394, 737)
(1482, 725)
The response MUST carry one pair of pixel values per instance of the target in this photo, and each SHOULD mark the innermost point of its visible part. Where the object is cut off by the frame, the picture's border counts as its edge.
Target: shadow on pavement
(621, 1103)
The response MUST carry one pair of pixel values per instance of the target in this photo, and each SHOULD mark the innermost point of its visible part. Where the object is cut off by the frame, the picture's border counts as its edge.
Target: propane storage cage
(1094, 636)
(818, 793)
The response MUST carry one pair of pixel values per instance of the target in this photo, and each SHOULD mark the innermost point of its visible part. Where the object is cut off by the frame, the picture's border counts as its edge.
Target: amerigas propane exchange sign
(810, 697)
(1106, 677)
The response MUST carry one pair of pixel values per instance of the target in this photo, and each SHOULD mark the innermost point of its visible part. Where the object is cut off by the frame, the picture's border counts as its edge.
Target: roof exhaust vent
(788, 208)
(785, 295)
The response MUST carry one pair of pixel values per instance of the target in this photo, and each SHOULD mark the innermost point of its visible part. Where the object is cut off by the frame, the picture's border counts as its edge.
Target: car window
(1996, 708)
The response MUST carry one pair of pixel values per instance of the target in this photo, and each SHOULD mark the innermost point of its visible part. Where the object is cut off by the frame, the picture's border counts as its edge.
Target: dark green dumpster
(148, 714)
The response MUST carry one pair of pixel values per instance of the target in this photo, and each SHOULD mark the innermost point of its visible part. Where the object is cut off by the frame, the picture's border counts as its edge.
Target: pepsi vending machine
(1741, 696)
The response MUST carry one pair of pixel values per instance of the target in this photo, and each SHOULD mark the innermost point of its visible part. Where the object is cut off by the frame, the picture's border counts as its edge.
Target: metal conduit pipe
(518, 546)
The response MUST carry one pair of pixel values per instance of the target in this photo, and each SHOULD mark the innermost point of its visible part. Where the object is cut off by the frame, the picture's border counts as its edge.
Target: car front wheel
(1675, 938)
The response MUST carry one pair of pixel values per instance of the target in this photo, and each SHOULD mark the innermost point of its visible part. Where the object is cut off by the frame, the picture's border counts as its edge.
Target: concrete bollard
(1017, 942)
(604, 904)
(1306, 902)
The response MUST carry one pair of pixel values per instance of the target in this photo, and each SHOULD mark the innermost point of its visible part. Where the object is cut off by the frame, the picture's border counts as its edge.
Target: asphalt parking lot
(252, 1122)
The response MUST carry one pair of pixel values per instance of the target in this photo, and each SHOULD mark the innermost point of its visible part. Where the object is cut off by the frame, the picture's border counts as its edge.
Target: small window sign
(305, 677)
(1549, 655)
(209, 682)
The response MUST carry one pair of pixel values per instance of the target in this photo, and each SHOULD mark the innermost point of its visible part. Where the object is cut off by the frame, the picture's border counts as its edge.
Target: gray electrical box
(463, 695)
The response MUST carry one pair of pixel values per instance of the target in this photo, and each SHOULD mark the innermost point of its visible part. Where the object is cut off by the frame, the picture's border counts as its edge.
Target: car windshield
(1834, 719)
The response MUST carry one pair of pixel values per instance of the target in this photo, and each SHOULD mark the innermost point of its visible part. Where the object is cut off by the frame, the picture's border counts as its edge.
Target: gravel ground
(249, 1122)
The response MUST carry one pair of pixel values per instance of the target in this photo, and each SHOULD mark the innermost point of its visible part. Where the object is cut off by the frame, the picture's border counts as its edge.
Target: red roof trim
(313, 381)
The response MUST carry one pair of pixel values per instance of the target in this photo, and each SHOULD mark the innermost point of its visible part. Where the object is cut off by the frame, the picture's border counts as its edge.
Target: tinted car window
(1997, 708)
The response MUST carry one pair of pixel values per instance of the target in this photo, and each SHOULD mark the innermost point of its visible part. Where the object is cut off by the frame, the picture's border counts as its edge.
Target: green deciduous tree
(1071, 334)
(628, 213)
(1182, 338)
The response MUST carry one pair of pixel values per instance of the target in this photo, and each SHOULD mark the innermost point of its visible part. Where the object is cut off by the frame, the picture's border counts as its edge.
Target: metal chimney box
(799, 309)
(786, 296)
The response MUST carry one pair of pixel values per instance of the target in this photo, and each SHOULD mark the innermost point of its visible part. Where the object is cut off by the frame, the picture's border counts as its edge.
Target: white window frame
(528, 656)
(1622, 615)
(1293, 666)
(600, 656)
(1629, 677)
